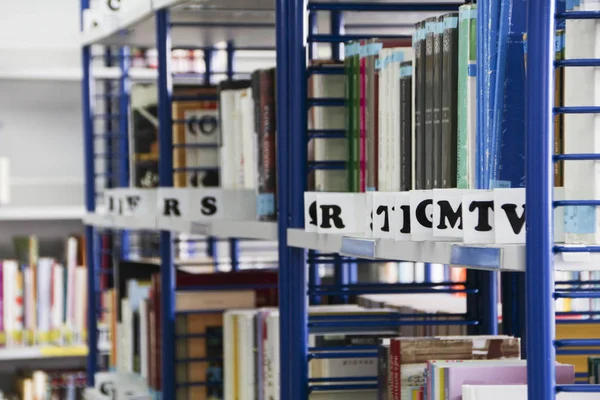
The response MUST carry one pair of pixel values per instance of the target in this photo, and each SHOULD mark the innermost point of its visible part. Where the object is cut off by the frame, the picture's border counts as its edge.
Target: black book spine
(382, 375)
(419, 129)
(429, 95)
(406, 74)
(438, 65)
(450, 101)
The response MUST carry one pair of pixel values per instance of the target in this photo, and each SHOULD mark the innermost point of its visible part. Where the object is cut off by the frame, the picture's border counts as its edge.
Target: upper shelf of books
(201, 23)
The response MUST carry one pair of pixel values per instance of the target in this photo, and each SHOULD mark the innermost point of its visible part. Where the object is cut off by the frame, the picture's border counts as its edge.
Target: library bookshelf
(292, 29)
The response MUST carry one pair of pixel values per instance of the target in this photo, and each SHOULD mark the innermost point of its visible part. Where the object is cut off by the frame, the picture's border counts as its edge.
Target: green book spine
(462, 114)
(351, 64)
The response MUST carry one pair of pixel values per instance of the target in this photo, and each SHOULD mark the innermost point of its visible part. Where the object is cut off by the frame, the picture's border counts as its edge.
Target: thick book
(230, 140)
(266, 138)
(467, 97)
(406, 82)
(419, 46)
(437, 96)
(449, 116)
(351, 66)
(429, 95)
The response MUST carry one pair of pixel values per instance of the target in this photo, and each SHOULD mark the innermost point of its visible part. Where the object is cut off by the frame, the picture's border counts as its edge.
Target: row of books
(48, 385)
(247, 367)
(43, 301)
(224, 137)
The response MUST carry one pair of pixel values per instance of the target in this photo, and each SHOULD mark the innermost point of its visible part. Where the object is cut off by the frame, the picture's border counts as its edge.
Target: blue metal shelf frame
(292, 134)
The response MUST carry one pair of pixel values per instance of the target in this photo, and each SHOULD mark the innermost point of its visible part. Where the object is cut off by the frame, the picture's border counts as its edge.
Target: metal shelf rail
(539, 283)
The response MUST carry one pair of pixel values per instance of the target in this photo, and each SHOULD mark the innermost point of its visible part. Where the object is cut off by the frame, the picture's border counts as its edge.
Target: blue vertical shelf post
(291, 133)
(211, 242)
(234, 244)
(122, 133)
(90, 206)
(165, 173)
(539, 172)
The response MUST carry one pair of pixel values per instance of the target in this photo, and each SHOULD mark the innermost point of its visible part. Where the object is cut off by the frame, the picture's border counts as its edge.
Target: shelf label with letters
(401, 220)
(478, 217)
(383, 215)
(447, 213)
(205, 204)
(335, 212)
(421, 215)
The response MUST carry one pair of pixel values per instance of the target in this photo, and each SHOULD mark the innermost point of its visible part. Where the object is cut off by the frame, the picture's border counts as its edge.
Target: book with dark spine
(406, 78)
(419, 108)
(382, 368)
(450, 101)
(436, 128)
(267, 162)
(429, 94)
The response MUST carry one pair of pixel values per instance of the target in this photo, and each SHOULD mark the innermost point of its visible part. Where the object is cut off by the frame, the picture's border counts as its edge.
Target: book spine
(429, 95)
(406, 74)
(449, 101)
(382, 376)
(419, 109)
(351, 67)
(362, 110)
(371, 113)
(394, 370)
(267, 152)
(558, 102)
(1, 298)
(437, 93)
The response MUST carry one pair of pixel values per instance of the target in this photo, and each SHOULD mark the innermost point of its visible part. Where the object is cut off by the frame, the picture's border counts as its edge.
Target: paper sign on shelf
(509, 215)
(402, 217)
(115, 201)
(478, 217)
(341, 213)
(310, 211)
(137, 202)
(383, 214)
(201, 204)
(421, 215)
(447, 213)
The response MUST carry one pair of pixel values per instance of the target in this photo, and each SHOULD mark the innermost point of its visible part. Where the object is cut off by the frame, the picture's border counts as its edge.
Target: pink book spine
(363, 123)
(1, 298)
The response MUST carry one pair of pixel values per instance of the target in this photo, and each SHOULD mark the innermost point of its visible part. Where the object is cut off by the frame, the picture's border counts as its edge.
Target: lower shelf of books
(386, 346)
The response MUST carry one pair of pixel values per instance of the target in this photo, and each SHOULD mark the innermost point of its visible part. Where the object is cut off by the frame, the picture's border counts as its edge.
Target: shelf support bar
(540, 324)
(337, 28)
(165, 177)
(123, 140)
(90, 205)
